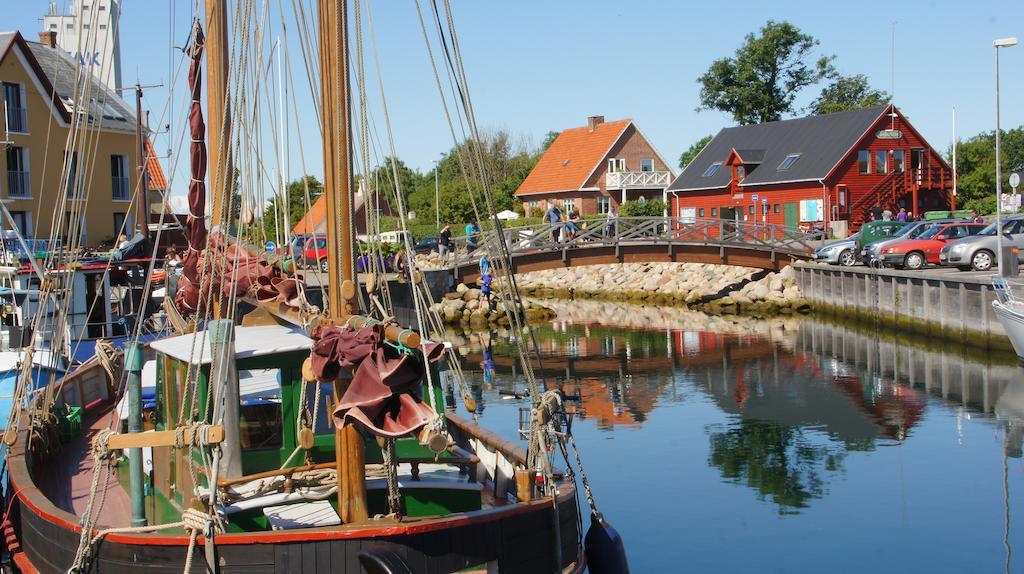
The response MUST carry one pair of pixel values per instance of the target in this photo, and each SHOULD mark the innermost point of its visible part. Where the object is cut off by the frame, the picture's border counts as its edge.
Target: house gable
(631, 146)
(572, 158)
(14, 45)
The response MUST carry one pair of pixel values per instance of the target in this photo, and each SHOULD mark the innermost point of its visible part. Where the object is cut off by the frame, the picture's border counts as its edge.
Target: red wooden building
(829, 170)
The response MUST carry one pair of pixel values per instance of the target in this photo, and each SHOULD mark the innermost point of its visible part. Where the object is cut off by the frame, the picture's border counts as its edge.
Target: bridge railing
(637, 231)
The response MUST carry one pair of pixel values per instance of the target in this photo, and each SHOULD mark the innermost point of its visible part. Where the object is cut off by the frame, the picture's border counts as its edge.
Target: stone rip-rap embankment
(714, 289)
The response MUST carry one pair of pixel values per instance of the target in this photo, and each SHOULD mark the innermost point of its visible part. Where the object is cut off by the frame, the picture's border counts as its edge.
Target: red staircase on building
(895, 187)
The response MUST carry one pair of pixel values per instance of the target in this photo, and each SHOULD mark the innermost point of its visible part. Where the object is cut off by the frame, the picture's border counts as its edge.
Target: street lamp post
(1000, 43)
(437, 199)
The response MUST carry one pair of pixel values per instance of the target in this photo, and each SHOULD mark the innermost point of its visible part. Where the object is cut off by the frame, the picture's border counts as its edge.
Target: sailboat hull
(1011, 316)
(520, 537)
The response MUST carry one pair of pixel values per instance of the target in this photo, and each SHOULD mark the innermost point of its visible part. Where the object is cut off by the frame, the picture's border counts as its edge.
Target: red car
(924, 249)
(315, 252)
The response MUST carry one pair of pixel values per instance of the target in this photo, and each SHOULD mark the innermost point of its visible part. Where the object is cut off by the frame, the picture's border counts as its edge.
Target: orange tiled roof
(314, 220)
(157, 180)
(571, 158)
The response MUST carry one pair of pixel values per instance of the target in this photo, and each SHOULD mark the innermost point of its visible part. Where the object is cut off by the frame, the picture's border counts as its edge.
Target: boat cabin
(274, 408)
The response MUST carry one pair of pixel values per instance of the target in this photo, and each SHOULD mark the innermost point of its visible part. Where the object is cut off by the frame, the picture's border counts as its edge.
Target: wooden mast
(341, 278)
(218, 111)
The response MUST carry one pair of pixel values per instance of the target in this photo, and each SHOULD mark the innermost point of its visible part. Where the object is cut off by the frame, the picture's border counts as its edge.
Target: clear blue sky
(539, 66)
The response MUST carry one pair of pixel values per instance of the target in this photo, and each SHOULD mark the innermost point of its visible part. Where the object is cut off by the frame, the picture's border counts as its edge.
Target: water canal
(786, 445)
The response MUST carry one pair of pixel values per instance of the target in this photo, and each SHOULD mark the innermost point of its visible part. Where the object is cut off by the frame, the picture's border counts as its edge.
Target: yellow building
(39, 91)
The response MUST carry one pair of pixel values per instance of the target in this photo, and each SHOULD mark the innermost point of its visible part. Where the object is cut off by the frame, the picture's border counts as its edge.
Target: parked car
(979, 252)
(876, 231)
(841, 252)
(924, 249)
(426, 245)
(314, 252)
(914, 230)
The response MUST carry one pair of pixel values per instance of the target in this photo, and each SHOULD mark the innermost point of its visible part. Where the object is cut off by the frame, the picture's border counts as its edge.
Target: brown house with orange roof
(589, 169)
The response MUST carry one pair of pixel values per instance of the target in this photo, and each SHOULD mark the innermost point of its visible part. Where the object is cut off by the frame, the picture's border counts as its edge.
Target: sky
(540, 66)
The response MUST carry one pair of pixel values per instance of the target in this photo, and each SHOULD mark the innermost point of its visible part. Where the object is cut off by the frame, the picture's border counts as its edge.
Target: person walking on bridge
(553, 216)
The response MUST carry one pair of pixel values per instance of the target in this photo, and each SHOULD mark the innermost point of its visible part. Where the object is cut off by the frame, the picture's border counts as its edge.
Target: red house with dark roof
(828, 170)
(591, 168)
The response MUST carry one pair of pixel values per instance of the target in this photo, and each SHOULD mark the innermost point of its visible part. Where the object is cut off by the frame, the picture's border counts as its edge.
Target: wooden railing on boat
(499, 457)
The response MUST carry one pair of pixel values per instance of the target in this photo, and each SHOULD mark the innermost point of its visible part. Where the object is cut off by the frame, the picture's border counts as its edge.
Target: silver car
(978, 252)
(841, 252)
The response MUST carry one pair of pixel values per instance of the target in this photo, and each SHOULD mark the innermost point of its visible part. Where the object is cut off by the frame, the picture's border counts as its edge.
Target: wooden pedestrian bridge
(640, 239)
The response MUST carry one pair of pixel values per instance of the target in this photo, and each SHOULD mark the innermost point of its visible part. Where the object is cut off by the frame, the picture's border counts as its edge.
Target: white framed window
(881, 162)
(120, 224)
(616, 164)
(647, 164)
(687, 214)
(71, 186)
(568, 206)
(712, 169)
(899, 160)
(23, 221)
(119, 177)
(17, 107)
(18, 180)
(788, 162)
(604, 204)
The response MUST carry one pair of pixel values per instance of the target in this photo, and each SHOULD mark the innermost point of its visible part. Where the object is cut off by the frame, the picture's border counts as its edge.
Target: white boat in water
(1009, 310)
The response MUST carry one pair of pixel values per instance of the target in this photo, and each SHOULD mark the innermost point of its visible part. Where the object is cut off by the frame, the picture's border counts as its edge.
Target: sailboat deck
(66, 478)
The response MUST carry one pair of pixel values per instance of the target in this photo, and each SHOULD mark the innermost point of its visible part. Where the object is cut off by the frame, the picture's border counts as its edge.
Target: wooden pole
(218, 110)
(218, 116)
(341, 278)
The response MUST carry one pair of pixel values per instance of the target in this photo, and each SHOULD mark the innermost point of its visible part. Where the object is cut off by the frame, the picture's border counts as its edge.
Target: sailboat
(294, 439)
(1009, 310)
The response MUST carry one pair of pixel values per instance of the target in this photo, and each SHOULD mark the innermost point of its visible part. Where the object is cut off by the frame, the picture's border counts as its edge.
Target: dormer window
(741, 172)
(712, 169)
(788, 162)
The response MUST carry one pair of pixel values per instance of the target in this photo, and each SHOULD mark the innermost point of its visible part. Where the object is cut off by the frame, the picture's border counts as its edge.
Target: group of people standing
(564, 229)
(879, 213)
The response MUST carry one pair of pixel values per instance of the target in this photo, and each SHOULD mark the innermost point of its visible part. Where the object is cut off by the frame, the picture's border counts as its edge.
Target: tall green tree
(383, 176)
(848, 93)
(549, 139)
(687, 156)
(760, 83)
(976, 167)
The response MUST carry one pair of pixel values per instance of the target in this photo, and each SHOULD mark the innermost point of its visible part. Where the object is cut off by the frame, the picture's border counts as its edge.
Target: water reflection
(798, 396)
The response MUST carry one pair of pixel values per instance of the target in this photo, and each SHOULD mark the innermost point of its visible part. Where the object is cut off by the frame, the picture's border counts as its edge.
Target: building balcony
(637, 180)
(17, 185)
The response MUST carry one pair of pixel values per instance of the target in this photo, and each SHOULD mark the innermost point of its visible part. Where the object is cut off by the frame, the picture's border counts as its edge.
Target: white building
(90, 35)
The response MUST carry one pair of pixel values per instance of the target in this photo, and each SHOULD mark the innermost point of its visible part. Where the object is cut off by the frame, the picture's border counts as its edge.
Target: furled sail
(384, 394)
(187, 298)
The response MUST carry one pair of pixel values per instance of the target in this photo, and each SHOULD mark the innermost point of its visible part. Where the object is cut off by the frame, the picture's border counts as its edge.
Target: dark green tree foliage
(409, 181)
(976, 167)
(848, 93)
(760, 83)
(549, 139)
(691, 152)
(777, 461)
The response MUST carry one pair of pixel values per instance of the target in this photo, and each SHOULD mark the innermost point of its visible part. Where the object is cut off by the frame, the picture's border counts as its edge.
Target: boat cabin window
(260, 412)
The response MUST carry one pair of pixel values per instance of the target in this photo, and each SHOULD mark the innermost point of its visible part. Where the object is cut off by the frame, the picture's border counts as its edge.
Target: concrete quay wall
(950, 307)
